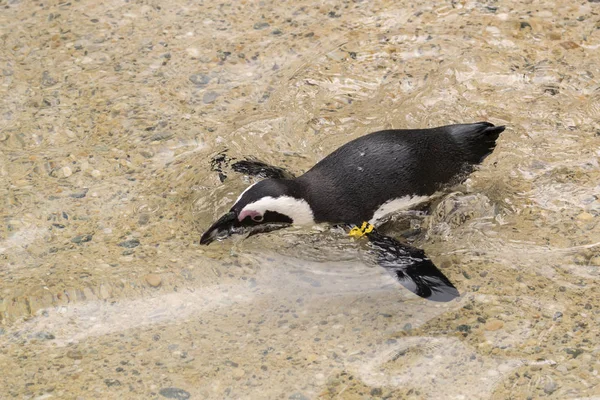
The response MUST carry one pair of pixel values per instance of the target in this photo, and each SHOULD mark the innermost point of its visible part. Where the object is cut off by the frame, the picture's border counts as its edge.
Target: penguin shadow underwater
(359, 186)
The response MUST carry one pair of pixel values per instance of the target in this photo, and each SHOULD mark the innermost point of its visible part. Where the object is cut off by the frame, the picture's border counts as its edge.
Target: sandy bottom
(112, 111)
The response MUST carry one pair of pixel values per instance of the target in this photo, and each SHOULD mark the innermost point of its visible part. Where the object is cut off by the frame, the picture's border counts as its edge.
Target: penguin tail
(477, 140)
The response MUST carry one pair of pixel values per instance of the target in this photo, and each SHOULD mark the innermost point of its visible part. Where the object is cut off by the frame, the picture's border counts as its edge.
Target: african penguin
(363, 180)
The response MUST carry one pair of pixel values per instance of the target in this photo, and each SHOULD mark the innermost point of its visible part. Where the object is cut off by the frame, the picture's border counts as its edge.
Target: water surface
(111, 112)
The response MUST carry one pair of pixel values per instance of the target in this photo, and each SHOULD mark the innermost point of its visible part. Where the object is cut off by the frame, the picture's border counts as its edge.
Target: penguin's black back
(351, 183)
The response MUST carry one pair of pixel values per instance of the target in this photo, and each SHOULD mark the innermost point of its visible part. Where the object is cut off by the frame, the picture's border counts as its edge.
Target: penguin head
(263, 207)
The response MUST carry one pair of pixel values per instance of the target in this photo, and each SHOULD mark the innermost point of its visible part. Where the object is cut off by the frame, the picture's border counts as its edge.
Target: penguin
(359, 185)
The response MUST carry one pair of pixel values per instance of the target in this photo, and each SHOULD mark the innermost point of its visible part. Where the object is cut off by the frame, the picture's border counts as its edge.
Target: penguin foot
(364, 229)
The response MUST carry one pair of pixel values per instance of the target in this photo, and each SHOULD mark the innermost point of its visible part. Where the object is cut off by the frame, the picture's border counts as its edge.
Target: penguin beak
(229, 224)
(225, 226)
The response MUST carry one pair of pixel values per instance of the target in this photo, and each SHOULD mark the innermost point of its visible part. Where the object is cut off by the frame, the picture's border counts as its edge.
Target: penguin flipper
(412, 268)
(261, 169)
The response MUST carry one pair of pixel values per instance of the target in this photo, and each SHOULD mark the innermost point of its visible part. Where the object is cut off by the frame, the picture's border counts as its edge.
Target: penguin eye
(257, 218)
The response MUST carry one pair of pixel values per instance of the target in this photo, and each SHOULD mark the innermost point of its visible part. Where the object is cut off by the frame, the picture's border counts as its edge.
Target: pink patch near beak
(248, 213)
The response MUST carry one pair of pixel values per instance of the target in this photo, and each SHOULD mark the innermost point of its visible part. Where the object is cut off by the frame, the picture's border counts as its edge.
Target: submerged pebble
(44, 335)
(261, 25)
(81, 239)
(493, 325)
(585, 216)
(47, 80)
(66, 171)
(112, 382)
(238, 373)
(209, 97)
(174, 393)
(79, 195)
(153, 280)
(298, 396)
(130, 244)
(550, 387)
(74, 354)
(199, 79)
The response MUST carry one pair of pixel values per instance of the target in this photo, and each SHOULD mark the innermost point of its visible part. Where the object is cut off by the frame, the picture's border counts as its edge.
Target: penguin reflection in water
(361, 183)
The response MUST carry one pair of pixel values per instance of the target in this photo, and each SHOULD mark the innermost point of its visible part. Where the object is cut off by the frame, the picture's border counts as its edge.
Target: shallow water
(111, 113)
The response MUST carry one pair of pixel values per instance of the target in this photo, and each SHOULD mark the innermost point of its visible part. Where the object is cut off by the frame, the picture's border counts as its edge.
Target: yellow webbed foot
(362, 231)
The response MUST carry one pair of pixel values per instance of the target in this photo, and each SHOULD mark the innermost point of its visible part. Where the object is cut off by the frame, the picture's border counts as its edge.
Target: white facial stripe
(298, 210)
(394, 205)
(248, 188)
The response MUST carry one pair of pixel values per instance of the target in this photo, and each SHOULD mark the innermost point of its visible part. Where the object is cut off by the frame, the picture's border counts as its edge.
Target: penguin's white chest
(396, 205)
